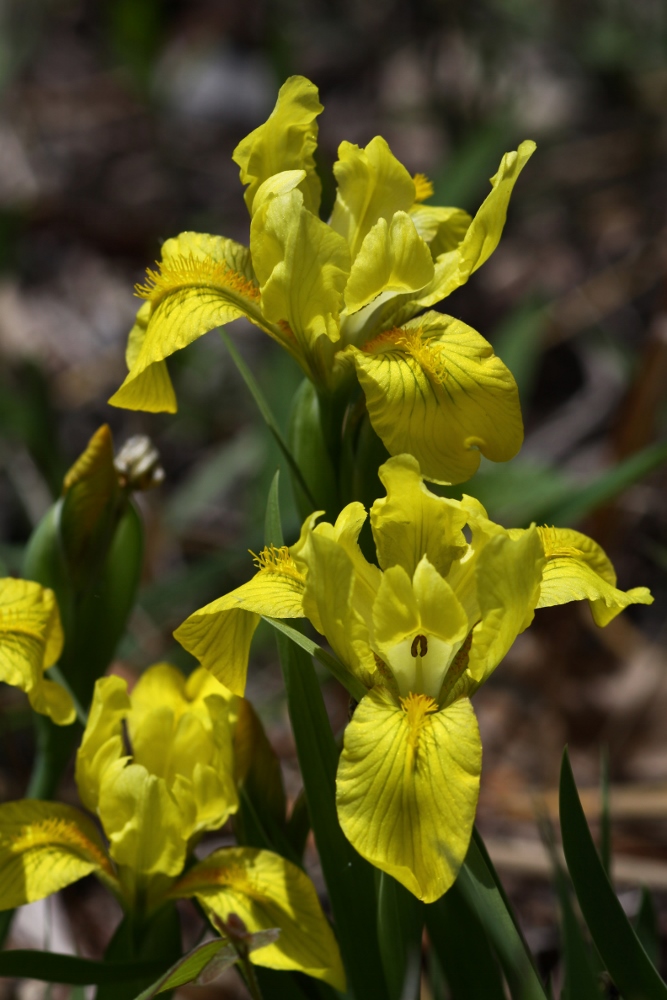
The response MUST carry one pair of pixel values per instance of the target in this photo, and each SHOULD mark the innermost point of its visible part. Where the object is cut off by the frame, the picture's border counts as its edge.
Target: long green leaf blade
(479, 886)
(620, 949)
(50, 967)
(463, 948)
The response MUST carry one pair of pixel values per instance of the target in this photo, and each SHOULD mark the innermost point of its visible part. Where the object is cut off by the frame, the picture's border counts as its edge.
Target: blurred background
(117, 123)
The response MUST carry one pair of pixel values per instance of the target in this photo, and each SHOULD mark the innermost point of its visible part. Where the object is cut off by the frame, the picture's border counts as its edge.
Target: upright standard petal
(102, 746)
(443, 229)
(407, 788)
(302, 266)
(435, 389)
(31, 640)
(45, 846)
(392, 258)
(266, 891)
(286, 141)
(372, 185)
(219, 634)
(577, 569)
(200, 283)
(508, 571)
(411, 522)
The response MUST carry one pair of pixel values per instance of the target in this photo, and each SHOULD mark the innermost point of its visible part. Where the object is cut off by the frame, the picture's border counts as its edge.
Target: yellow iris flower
(345, 298)
(421, 631)
(153, 804)
(31, 641)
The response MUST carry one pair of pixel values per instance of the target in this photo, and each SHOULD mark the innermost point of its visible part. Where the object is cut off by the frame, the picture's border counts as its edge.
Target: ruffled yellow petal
(219, 634)
(302, 266)
(201, 283)
(577, 569)
(509, 572)
(45, 846)
(31, 640)
(407, 788)
(286, 141)
(372, 185)
(411, 522)
(435, 389)
(443, 229)
(146, 827)
(419, 627)
(102, 745)
(339, 604)
(392, 258)
(186, 742)
(265, 891)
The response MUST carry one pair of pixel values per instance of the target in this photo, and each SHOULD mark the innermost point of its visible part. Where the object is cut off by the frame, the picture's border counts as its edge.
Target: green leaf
(400, 923)
(50, 967)
(619, 947)
(482, 892)
(605, 813)
(205, 962)
(580, 979)
(462, 948)
(265, 410)
(646, 926)
(354, 686)
(272, 525)
(158, 938)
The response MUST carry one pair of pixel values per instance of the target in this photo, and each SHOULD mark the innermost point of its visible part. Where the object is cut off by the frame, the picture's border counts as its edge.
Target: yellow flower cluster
(345, 297)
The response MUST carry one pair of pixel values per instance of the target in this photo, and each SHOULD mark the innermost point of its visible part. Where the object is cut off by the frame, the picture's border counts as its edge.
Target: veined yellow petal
(435, 389)
(577, 569)
(443, 229)
(302, 266)
(146, 827)
(45, 846)
(339, 605)
(102, 745)
(31, 640)
(201, 283)
(419, 626)
(220, 633)
(286, 141)
(407, 788)
(265, 890)
(411, 522)
(509, 572)
(150, 389)
(372, 185)
(392, 258)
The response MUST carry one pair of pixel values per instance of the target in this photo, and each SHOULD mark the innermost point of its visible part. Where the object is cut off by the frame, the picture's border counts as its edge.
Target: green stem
(250, 978)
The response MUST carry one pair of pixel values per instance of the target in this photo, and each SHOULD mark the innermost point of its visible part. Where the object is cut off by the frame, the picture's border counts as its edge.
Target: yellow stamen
(423, 187)
(553, 547)
(276, 560)
(192, 270)
(417, 708)
(429, 356)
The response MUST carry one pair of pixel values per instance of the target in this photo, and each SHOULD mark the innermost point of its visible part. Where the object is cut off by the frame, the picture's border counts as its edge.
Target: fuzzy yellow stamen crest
(276, 560)
(417, 708)
(553, 546)
(428, 355)
(192, 270)
(423, 187)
